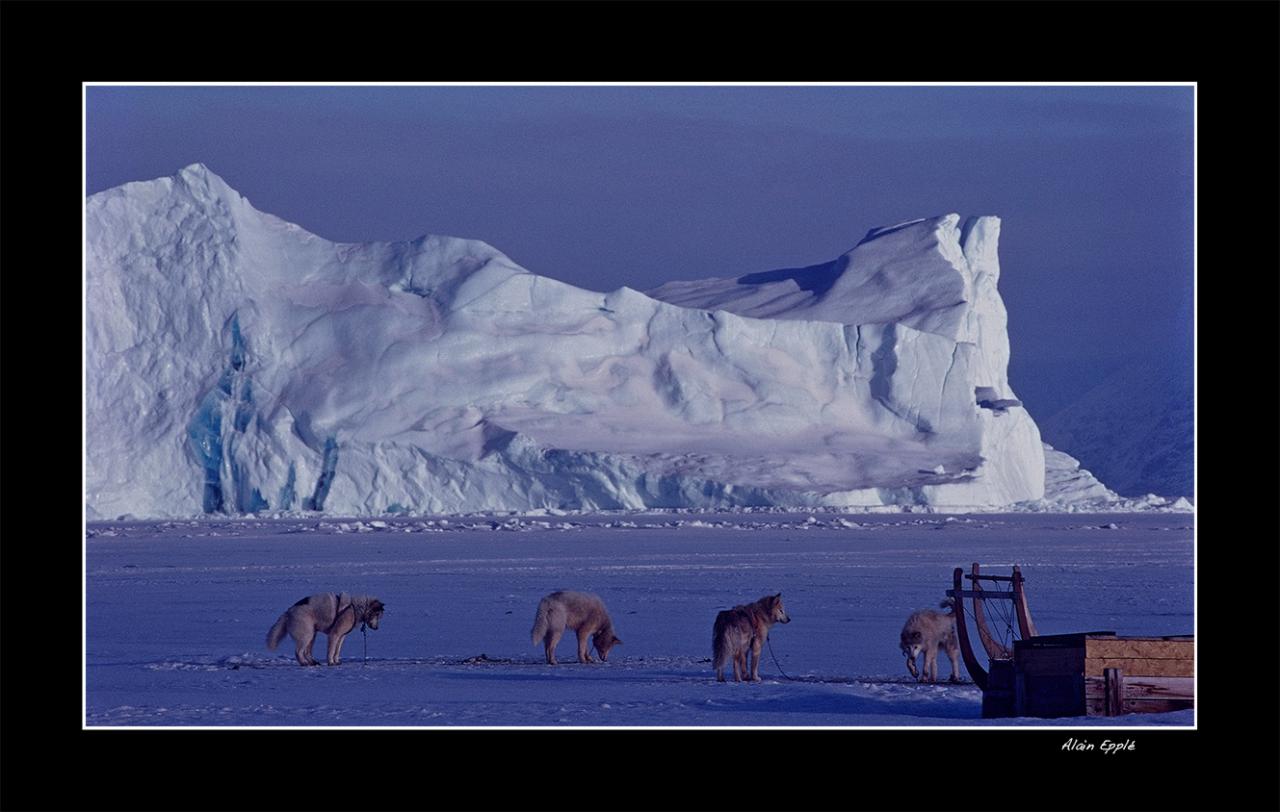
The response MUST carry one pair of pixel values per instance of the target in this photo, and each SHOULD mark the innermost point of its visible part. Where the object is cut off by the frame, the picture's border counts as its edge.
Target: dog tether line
(775, 660)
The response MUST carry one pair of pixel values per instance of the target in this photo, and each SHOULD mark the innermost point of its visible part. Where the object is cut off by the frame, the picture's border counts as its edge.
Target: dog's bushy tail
(719, 648)
(277, 632)
(540, 622)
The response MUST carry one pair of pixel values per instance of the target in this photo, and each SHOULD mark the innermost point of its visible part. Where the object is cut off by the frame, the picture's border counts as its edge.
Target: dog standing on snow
(929, 631)
(744, 629)
(580, 611)
(330, 613)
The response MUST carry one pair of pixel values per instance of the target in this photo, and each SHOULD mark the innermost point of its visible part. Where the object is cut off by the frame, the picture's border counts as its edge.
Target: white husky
(330, 613)
(580, 611)
(928, 631)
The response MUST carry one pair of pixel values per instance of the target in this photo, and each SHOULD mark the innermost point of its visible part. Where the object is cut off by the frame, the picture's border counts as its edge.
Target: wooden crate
(1100, 674)
(997, 697)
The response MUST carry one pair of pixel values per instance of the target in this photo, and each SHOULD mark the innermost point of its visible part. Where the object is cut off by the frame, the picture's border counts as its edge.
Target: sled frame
(994, 649)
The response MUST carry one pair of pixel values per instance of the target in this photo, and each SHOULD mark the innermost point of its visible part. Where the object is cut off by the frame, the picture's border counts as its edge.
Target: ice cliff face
(237, 363)
(923, 294)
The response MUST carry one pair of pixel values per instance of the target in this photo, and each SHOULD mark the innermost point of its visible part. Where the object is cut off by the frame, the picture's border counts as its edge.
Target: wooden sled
(1083, 674)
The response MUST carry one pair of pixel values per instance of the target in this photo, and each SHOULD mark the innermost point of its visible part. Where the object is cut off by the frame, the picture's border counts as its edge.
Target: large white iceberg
(237, 363)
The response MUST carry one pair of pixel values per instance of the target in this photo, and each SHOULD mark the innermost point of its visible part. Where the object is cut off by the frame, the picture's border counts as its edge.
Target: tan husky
(742, 629)
(330, 613)
(928, 631)
(580, 611)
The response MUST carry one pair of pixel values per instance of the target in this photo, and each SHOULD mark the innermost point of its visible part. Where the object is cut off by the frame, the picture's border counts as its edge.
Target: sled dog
(742, 630)
(930, 631)
(580, 611)
(330, 613)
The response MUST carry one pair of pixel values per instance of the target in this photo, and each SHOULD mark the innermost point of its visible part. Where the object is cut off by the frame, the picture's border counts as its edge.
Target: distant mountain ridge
(1145, 447)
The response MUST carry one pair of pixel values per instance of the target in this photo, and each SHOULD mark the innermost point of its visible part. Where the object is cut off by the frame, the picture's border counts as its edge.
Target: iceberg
(236, 363)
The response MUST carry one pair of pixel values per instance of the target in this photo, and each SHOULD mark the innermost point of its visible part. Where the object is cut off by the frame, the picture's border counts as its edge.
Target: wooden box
(1100, 674)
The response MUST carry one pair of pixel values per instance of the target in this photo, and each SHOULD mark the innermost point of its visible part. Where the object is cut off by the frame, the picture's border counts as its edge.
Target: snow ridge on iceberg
(237, 363)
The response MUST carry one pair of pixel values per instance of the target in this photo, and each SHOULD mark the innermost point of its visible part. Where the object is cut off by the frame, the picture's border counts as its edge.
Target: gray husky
(928, 631)
(331, 613)
(742, 630)
(580, 611)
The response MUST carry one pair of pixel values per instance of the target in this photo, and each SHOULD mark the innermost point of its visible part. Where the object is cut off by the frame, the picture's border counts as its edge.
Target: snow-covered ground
(177, 612)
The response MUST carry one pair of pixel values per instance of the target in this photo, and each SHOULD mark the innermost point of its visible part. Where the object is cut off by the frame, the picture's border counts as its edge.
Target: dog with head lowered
(580, 611)
(742, 630)
(333, 614)
(929, 631)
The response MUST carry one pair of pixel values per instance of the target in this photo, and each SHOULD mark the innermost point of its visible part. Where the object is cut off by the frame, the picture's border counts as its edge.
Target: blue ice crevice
(216, 429)
(204, 438)
(288, 493)
(327, 468)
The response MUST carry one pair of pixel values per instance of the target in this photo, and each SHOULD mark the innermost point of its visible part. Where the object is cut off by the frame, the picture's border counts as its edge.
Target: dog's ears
(617, 642)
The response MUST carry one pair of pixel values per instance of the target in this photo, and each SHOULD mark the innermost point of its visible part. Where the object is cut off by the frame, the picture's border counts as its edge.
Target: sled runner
(996, 681)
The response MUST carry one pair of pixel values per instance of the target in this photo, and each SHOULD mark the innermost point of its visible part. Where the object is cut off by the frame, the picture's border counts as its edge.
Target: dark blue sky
(605, 186)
